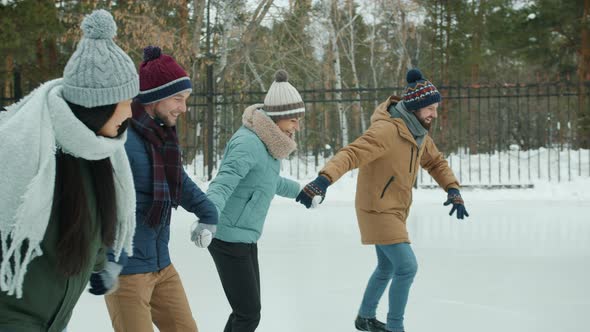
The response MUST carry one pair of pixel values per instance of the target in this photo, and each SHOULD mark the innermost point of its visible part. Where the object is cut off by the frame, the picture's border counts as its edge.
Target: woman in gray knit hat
(66, 189)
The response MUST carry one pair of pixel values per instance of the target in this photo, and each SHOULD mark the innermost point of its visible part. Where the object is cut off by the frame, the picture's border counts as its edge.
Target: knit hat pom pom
(151, 53)
(99, 25)
(414, 75)
(281, 76)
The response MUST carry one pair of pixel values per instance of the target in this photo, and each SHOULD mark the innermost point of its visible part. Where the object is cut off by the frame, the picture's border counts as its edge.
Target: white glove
(316, 201)
(202, 234)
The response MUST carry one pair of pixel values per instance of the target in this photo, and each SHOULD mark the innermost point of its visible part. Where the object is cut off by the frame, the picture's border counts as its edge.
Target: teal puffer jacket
(246, 183)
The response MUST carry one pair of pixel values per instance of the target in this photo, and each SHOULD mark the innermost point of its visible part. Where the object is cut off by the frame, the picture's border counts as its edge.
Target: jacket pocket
(248, 209)
(387, 186)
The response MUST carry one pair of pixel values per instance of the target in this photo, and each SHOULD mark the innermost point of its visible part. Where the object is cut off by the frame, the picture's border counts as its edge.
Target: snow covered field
(520, 263)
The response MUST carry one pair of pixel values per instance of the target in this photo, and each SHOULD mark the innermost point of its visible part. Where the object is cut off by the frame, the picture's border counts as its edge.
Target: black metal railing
(490, 133)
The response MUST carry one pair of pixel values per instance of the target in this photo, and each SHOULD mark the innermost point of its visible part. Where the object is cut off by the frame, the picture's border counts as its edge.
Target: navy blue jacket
(150, 245)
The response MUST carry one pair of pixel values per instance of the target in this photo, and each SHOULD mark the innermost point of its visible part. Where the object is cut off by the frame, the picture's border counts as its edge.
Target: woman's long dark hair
(71, 202)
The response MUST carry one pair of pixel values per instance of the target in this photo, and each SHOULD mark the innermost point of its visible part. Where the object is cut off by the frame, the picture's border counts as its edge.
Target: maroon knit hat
(160, 76)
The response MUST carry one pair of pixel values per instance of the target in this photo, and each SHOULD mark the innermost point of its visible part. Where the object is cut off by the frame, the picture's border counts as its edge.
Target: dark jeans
(237, 266)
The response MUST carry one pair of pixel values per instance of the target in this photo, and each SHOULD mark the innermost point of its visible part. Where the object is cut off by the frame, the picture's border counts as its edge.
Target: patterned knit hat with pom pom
(160, 76)
(99, 72)
(420, 92)
(282, 100)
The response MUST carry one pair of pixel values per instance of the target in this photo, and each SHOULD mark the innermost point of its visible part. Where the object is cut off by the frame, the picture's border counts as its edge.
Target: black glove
(316, 187)
(454, 197)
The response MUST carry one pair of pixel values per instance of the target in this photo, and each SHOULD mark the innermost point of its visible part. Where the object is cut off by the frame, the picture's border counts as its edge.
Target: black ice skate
(369, 324)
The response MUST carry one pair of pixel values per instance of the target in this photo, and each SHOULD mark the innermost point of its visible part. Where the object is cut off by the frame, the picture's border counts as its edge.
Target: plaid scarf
(166, 164)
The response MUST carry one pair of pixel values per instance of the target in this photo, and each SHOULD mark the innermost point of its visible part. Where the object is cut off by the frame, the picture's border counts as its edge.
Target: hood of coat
(381, 112)
(278, 144)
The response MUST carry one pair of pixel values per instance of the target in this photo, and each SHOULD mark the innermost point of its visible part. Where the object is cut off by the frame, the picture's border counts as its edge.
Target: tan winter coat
(387, 157)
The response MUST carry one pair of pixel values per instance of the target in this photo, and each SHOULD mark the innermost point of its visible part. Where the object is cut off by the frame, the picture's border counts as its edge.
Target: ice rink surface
(520, 263)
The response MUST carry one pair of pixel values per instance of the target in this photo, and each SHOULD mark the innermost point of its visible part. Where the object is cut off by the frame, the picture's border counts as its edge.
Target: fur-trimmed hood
(279, 145)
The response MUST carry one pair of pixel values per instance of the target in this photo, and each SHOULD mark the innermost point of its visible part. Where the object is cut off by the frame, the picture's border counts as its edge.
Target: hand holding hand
(105, 281)
(454, 197)
(316, 188)
(202, 234)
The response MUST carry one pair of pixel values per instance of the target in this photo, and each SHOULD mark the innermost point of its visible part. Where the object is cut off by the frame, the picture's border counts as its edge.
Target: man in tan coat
(388, 155)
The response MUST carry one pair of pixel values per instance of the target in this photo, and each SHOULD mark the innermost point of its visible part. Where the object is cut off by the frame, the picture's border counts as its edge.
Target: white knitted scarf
(278, 144)
(30, 132)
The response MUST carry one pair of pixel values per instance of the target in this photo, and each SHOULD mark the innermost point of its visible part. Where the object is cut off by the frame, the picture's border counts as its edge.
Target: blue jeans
(395, 262)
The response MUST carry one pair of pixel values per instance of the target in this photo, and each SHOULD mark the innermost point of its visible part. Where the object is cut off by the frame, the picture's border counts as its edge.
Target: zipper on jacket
(158, 246)
(411, 159)
(416, 162)
(387, 185)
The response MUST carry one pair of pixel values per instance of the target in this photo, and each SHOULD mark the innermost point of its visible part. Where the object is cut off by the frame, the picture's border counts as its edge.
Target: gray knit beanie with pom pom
(99, 72)
(282, 100)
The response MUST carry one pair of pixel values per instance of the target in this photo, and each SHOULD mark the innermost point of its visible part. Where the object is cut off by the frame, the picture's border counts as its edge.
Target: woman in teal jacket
(247, 181)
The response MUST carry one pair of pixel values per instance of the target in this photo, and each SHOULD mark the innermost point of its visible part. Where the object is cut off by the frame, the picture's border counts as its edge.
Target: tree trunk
(223, 51)
(196, 69)
(53, 56)
(351, 55)
(477, 16)
(327, 135)
(444, 110)
(447, 56)
(198, 15)
(584, 77)
(40, 55)
(435, 35)
(184, 118)
(337, 74)
(9, 82)
(476, 40)
(372, 64)
(405, 60)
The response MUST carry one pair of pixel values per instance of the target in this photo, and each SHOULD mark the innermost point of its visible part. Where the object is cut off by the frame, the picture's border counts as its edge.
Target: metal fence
(492, 134)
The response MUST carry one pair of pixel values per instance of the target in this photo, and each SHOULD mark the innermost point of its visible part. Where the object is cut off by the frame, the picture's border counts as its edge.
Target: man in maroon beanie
(150, 289)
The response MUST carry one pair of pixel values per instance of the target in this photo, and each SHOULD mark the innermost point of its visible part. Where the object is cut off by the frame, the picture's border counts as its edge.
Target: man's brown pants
(156, 297)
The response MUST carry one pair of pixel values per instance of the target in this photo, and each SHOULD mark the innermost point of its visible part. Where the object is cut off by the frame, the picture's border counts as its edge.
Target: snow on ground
(520, 263)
